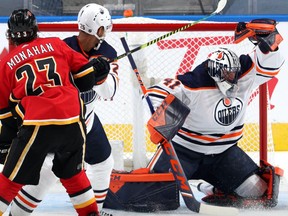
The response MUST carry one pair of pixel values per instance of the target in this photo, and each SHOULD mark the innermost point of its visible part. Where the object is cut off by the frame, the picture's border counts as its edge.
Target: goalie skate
(234, 200)
(269, 199)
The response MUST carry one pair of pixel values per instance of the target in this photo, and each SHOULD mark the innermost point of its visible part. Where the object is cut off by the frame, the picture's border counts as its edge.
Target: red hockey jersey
(36, 79)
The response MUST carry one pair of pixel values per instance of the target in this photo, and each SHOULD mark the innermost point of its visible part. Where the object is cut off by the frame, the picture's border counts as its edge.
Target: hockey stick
(220, 6)
(177, 170)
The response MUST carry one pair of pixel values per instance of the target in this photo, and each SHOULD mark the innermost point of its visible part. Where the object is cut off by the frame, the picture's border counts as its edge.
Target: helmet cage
(220, 72)
(224, 65)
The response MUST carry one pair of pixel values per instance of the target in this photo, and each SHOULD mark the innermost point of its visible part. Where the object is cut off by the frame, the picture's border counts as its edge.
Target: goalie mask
(93, 16)
(22, 26)
(224, 67)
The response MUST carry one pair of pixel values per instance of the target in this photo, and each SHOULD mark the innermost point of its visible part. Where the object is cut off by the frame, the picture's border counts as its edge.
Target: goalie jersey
(215, 123)
(107, 89)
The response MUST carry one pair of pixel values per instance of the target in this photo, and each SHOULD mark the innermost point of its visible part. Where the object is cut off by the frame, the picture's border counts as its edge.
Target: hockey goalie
(207, 143)
(217, 93)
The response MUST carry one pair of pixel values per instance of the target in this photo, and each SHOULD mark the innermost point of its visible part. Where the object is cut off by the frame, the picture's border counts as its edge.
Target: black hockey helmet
(22, 26)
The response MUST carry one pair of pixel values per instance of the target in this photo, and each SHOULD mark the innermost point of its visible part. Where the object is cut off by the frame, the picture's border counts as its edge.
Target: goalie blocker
(167, 119)
(141, 190)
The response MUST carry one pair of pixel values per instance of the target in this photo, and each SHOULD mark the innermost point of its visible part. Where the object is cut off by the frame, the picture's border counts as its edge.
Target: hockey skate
(233, 200)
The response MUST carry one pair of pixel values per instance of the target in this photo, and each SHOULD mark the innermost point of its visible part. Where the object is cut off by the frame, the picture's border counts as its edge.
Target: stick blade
(220, 6)
(218, 210)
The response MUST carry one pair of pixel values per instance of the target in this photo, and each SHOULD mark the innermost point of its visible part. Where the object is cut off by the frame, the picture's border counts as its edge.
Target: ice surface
(57, 203)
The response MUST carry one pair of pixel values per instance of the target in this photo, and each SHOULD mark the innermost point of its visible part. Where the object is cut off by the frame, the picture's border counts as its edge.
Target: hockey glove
(8, 131)
(4, 148)
(102, 68)
(242, 32)
(261, 32)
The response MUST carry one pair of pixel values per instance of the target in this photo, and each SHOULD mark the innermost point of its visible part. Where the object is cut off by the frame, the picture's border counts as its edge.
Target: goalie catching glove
(261, 32)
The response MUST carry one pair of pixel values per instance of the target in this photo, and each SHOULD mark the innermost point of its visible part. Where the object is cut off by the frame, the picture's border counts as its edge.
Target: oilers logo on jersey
(227, 110)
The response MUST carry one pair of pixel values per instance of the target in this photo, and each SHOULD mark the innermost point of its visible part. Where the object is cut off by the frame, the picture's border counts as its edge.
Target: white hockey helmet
(91, 17)
(224, 67)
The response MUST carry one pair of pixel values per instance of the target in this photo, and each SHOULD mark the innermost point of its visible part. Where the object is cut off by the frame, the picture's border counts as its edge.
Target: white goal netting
(124, 118)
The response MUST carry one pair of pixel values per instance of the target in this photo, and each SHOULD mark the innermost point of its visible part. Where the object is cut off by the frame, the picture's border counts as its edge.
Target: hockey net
(124, 118)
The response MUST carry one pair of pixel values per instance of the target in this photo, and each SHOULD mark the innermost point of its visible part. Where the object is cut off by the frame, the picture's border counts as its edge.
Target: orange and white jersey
(215, 123)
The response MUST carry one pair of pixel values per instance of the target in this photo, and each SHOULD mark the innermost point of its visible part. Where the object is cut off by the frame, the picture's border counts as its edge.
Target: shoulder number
(171, 83)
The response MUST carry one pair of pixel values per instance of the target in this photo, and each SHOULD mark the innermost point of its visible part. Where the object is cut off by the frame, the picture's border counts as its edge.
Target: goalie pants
(226, 171)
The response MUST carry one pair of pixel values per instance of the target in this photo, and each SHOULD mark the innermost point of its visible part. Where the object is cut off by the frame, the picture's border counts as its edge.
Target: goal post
(124, 118)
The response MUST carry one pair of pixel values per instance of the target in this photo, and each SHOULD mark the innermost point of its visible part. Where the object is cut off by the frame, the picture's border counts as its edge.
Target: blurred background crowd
(146, 7)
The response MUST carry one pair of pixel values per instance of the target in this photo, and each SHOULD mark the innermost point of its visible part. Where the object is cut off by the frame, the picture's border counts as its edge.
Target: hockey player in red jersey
(217, 92)
(99, 161)
(41, 110)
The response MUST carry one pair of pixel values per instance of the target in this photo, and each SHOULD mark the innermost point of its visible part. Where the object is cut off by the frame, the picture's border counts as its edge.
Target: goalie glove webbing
(260, 27)
(261, 32)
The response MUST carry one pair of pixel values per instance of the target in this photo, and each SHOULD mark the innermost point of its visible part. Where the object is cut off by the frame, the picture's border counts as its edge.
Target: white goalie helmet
(224, 67)
(91, 17)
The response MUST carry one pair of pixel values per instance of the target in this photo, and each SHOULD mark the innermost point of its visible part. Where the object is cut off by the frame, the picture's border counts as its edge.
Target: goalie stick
(190, 201)
(220, 7)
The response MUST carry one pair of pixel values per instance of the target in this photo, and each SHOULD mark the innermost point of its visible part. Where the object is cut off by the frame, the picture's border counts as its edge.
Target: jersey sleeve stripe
(157, 92)
(268, 72)
(83, 73)
(5, 115)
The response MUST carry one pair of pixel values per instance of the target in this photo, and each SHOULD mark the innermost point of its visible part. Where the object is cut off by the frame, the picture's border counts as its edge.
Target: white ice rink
(57, 203)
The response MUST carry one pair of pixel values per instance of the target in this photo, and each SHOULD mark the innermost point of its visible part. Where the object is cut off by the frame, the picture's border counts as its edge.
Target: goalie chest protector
(141, 191)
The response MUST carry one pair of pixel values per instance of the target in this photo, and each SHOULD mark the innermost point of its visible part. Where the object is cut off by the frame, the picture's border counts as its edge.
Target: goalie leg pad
(253, 186)
(271, 175)
(142, 192)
